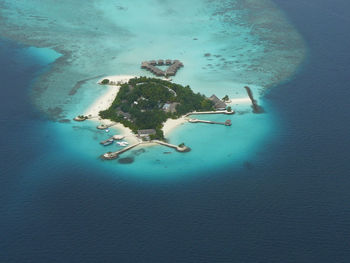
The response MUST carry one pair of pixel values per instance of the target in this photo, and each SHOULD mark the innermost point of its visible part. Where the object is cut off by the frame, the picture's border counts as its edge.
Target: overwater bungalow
(144, 64)
(170, 73)
(152, 67)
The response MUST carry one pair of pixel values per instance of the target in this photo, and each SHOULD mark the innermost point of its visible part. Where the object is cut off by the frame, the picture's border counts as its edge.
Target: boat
(123, 144)
(108, 142)
(107, 130)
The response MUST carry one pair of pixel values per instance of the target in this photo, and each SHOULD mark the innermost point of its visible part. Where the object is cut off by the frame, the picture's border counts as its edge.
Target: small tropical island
(144, 104)
(148, 109)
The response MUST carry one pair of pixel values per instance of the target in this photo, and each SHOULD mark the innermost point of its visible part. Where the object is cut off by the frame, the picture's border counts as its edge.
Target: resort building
(144, 64)
(126, 116)
(170, 107)
(218, 104)
(145, 134)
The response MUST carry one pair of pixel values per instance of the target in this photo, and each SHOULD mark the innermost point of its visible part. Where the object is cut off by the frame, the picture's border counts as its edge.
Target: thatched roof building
(218, 104)
(152, 67)
(144, 64)
(170, 107)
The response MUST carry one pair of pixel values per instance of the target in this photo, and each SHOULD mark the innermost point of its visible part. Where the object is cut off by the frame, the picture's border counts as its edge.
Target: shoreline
(105, 101)
(170, 124)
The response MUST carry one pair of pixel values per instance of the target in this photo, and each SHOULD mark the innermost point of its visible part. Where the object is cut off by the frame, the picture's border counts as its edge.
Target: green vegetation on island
(226, 98)
(105, 81)
(146, 103)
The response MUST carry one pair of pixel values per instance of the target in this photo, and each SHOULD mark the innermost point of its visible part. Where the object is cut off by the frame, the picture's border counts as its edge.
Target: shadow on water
(126, 160)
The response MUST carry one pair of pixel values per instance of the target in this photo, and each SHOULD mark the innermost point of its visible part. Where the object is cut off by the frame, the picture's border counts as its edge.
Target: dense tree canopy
(105, 81)
(139, 103)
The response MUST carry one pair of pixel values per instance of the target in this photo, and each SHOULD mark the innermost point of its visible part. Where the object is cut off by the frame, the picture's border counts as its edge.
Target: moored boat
(108, 142)
(123, 144)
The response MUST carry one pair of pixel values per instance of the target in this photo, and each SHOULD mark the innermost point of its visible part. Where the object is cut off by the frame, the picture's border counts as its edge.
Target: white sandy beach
(171, 124)
(105, 101)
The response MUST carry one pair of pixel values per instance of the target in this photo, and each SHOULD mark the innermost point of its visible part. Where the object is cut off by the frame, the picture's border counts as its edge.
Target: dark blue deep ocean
(289, 203)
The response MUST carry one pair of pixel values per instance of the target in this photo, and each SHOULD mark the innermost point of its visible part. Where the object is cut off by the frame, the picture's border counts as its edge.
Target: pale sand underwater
(220, 43)
(224, 46)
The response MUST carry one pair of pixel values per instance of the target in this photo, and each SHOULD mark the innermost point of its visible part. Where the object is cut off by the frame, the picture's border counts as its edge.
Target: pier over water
(226, 123)
(177, 148)
(114, 155)
(211, 112)
(151, 66)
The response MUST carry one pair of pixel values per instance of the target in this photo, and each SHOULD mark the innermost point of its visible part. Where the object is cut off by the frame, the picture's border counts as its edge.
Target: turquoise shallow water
(288, 201)
(223, 45)
(213, 146)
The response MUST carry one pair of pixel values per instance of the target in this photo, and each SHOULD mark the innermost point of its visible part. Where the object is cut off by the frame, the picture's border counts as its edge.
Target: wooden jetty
(177, 148)
(115, 155)
(226, 123)
(211, 112)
